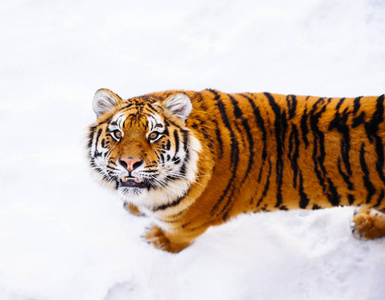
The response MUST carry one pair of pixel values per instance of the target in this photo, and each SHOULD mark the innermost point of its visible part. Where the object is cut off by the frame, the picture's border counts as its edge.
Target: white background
(64, 237)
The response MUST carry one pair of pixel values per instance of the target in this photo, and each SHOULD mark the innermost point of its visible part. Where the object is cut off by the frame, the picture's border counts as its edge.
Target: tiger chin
(192, 160)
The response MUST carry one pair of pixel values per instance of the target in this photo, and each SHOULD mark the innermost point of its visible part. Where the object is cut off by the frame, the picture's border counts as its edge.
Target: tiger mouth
(128, 181)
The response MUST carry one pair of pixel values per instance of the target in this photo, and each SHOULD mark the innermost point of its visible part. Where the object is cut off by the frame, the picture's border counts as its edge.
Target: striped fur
(238, 153)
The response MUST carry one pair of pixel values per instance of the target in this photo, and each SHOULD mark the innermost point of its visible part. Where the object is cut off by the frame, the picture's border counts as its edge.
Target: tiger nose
(130, 163)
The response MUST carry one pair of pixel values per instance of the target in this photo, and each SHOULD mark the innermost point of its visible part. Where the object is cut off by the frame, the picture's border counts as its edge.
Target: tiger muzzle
(129, 181)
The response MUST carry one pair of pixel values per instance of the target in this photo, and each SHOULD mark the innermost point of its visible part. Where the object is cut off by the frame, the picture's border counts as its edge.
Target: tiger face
(143, 148)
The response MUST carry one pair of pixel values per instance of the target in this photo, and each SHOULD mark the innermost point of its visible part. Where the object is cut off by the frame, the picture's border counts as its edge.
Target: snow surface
(64, 237)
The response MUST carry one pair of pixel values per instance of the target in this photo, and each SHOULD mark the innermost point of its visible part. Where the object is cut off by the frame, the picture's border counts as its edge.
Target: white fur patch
(148, 199)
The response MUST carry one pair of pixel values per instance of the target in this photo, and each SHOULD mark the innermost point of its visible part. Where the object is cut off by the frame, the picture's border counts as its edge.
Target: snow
(64, 237)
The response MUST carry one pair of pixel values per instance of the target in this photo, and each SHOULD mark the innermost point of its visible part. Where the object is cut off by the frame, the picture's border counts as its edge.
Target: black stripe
(176, 137)
(368, 184)
(168, 205)
(371, 129)
(351, 199)
(234, 154)
(171, 178)
(157, 155)
(97, 153)
(227, 207)
(151, 109)
(304, 128)
(293, 157)
(240, 134)
(203, 129)
(168, 145)
(380, 198)
(261, 125)
(304, 200)
(219, 139)
(292, 105)
(280, 126)
(294, 152)
(319, 158)
(333, 196)
(91, 136)
(185, 141)
(226, 214)
(167, 124)
(251, 148)
(345, 177)
(215, 93)
(217, 131)
(380, 160)
(266, 188)
(98, 136)
(372, 132)
(237, 111)
(234, 142)
(175, 216)
(111, 161)
(339, 123)
(357, 105)
(357, 121)
(238, 114)
(318, 143)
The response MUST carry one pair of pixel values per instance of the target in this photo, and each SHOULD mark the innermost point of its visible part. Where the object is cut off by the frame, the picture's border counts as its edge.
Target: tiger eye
(118, 134)
(153, 135)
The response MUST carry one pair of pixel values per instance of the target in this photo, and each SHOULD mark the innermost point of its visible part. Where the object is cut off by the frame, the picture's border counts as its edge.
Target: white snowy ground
(64, 237)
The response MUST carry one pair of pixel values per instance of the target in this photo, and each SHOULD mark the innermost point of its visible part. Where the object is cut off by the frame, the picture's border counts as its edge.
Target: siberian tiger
(197, 159)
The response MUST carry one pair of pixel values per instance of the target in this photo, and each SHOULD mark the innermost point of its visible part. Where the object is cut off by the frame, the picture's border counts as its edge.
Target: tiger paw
(368, 224)
(133, 209)
(157, 237)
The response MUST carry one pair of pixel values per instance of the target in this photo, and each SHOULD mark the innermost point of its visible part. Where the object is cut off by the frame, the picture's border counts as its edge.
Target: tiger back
(191, 160)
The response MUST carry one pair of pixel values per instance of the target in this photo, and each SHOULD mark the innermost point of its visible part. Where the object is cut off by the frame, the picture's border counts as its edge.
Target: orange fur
(258, 152)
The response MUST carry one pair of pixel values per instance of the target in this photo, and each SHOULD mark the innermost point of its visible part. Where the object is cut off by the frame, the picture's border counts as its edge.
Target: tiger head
(142, 146)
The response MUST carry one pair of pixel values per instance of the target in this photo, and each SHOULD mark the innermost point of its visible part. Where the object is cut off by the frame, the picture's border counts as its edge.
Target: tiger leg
(171, 241)
(369, 223)
(132, 209)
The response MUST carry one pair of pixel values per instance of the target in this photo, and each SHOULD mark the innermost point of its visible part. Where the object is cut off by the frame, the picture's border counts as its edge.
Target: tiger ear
(179, 104)
(104, 99)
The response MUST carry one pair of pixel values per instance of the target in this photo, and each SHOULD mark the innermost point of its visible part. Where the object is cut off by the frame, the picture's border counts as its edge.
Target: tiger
(191, 160)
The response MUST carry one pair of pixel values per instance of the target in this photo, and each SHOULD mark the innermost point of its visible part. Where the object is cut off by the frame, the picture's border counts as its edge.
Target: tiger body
(217, 155)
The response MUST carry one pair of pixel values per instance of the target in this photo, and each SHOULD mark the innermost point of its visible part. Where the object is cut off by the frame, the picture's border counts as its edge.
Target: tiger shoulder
(191, 160)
